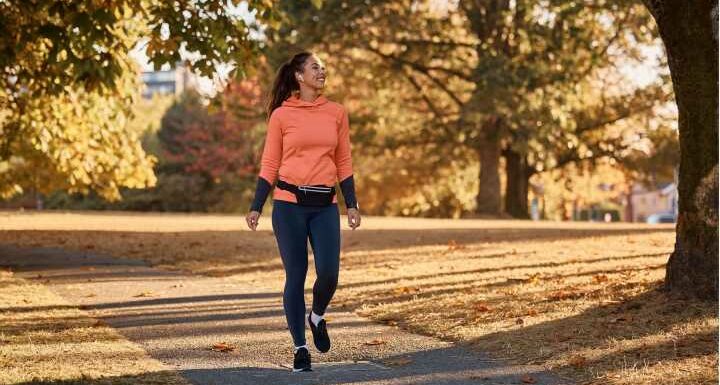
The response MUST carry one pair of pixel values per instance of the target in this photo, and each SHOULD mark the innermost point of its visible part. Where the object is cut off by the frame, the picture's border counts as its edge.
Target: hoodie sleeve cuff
(262, 189)
(347, 186)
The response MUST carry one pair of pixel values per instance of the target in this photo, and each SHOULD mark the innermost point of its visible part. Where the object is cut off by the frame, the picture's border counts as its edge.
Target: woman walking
(307, 151)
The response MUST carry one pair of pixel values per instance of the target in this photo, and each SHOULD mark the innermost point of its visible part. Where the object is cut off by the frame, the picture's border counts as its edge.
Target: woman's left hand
(353, 218)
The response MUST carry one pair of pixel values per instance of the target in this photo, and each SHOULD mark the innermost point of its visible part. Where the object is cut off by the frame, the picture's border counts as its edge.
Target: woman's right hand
(252, 219)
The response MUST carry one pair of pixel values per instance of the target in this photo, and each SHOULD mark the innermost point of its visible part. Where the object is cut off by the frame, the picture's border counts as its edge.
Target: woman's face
(313, 74)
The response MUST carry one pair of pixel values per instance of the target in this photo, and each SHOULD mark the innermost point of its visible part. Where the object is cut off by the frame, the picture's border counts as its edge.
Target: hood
(296, 102)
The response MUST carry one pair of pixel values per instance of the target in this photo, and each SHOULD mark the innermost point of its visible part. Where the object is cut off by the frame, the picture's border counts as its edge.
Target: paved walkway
(176, 318)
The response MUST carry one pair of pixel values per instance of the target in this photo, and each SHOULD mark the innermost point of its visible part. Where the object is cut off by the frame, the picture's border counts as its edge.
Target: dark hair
(285, 82)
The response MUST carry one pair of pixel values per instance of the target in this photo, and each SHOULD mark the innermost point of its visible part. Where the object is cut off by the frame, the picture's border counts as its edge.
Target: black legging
(293, 224)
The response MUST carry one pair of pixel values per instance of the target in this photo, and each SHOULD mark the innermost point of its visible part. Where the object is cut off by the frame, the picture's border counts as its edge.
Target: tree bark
(689, 32)
(488, 198)
(518, 180)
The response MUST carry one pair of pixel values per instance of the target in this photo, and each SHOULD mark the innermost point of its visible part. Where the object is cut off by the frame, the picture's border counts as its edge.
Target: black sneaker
(302, 361)
(320, 335)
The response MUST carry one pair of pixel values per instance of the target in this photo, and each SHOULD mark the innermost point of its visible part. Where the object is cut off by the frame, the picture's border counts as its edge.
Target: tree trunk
(488, 198)
(518, 180)
(629, 209)
(689, 32)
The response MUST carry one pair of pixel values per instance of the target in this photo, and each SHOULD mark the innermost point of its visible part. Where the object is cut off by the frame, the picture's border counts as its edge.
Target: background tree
(65, 88)
(690, 33)
(479, 76)
(211, 150)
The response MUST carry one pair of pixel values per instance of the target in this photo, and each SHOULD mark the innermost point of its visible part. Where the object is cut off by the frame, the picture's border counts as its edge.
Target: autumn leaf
(520, 321)
(222, 347)
(527, 379)
(481, 307)
(578, 361)
(534, 278)
(100, 323)
(453, 245)
(599, 278)
(145, 294)
(405, 290)
(374, 342)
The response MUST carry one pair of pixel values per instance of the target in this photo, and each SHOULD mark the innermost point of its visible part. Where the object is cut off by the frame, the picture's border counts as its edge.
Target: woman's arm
(269, 163)
(343, 162)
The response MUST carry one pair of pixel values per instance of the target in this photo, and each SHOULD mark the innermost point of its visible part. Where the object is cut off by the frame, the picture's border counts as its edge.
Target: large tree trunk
(488, 198)
(518, 180)
(689, 31)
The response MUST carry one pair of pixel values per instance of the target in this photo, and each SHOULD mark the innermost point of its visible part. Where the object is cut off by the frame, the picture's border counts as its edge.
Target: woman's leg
(324, 228)
(291, 231)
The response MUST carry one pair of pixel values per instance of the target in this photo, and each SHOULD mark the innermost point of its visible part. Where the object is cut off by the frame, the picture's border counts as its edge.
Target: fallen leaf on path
(222, 347)
(376, 341)
(534, 278)
(405, 290)
(453, 245)
(578, 361)
(145, 294)
(520, 321)
(481, 306)
(599, 278)
(398, 361)
(91, 295)
(527, 379)
(100, 323)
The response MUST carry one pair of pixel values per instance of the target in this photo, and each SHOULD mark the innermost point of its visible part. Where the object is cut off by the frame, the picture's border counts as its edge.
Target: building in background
(170, 82)
(646, 202)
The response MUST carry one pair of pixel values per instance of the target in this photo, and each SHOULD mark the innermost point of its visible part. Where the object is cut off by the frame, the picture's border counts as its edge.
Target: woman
(307, 151)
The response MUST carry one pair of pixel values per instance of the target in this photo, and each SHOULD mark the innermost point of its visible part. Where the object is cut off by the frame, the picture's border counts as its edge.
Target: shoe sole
(302, 370)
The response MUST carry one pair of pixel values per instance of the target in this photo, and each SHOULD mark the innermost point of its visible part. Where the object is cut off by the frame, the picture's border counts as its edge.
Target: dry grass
(580, 298)
(45, 340)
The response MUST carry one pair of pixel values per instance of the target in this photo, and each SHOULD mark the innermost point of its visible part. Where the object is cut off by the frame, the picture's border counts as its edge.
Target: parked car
(661, 218)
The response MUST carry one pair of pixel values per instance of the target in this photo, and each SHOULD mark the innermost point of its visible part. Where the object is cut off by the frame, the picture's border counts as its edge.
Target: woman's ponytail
(285, 82)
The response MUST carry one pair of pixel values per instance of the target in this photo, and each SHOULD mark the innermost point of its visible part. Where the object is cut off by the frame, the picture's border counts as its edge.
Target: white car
(661, 218)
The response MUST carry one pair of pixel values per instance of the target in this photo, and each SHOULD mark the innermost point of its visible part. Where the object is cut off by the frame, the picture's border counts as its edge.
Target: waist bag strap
(293, 188)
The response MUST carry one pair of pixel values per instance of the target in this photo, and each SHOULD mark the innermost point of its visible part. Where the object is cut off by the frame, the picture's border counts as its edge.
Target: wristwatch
(357, 206)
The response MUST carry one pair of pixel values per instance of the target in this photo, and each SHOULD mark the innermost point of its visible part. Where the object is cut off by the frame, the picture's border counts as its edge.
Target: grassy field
(579, 298)
(45, 340)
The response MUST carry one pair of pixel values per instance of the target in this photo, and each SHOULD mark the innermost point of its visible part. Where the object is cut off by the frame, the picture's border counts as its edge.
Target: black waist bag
(310, 195)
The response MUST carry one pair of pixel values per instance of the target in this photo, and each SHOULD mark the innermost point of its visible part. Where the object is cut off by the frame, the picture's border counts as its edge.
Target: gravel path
(177, 318)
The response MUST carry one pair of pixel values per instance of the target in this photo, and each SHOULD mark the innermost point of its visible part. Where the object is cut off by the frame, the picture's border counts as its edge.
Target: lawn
(43, 339)
(579, 298)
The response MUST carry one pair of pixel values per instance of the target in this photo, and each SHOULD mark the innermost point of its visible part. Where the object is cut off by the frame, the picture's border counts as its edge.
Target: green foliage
(657, 162)
(67, 83)
(76, 141)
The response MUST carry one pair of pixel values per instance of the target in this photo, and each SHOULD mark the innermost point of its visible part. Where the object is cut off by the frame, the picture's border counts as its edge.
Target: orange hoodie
(307, 143)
